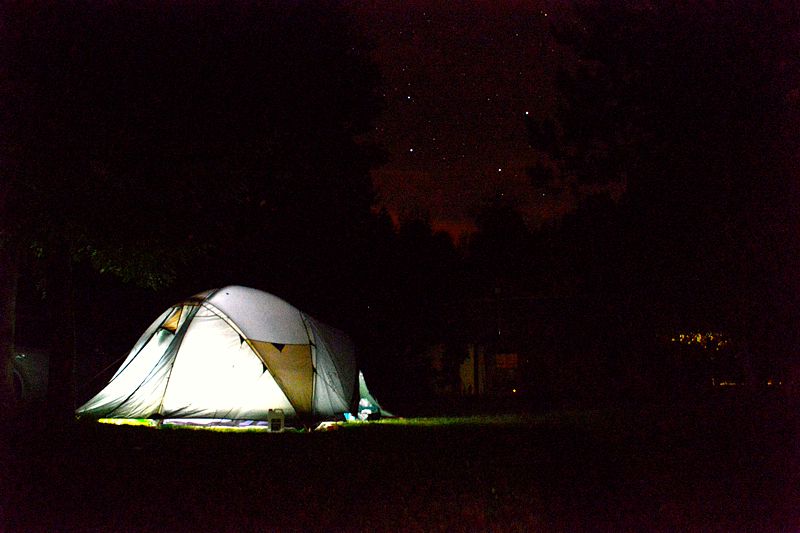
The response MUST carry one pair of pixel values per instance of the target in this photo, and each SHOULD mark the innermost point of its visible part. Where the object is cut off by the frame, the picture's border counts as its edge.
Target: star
(467, 116)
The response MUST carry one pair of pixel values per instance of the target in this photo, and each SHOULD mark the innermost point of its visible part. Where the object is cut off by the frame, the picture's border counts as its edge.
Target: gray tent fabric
(232, 354)
(333, 353)
(368, 406)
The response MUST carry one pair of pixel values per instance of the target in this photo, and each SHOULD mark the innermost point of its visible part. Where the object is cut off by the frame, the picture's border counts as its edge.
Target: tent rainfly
(232, 355)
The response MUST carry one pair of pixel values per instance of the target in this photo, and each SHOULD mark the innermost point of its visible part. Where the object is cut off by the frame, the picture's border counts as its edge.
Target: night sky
(459, 79)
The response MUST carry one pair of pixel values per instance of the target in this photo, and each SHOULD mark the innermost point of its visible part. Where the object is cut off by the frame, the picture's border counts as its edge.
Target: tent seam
(312, 352)
(172, 366)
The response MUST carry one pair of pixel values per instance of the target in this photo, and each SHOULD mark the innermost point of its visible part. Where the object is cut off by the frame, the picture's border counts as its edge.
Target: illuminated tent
(232, 354)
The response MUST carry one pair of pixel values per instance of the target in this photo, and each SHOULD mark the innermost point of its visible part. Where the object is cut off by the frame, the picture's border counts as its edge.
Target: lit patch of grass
(482, 420)
(129, 422)
(510, 420)
(146, 422)
(588, 418)
(218, 429)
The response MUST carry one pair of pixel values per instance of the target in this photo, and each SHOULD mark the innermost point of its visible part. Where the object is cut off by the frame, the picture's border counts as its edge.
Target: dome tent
(232, 354)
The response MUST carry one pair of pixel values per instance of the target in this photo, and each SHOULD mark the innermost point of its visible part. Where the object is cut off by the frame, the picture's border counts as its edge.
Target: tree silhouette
(500, 252)
(207, 142)
(693, 110)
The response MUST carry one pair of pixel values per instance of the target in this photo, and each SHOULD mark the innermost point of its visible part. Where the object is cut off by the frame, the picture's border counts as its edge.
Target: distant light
(410, 149)
(514, 391)
(527, 113)
(499, 169)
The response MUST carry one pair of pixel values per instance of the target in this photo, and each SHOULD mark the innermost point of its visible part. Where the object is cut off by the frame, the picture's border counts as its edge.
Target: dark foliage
(691, 109)
(186, 145)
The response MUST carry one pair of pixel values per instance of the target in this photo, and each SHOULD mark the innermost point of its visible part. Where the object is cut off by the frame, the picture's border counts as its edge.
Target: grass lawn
(723, 466)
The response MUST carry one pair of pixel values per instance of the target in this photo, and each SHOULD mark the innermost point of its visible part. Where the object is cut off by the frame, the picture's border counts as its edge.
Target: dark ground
(724, 465)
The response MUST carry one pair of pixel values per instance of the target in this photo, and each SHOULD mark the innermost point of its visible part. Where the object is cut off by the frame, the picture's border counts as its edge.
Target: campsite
(184, 438)
(357, 265)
